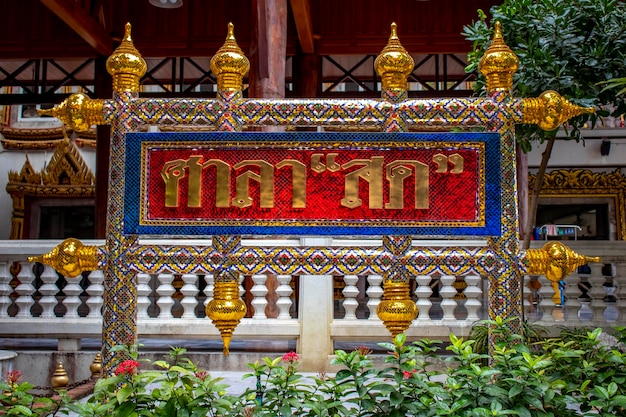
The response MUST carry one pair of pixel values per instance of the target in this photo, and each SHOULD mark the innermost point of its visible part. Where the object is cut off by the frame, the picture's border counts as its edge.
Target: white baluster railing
(95, 291)
(143, 293)
(72, 301)
(25, 290)
(284, 292)
(350, 293)
(374, 293)
(17, 302)
(190, 291)
(5, 289)
(423, 293)
(259, 291)
(165, 290)
(447, 291)
(48, 292)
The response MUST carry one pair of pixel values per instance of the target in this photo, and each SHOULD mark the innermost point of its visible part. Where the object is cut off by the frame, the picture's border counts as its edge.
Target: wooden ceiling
(88, 28)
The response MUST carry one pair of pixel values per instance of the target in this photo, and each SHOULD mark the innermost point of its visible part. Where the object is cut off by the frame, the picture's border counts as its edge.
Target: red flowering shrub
(128, 367)
(291, 357)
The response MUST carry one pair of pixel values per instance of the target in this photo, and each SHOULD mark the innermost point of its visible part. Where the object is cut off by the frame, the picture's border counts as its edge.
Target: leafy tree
(570, 46)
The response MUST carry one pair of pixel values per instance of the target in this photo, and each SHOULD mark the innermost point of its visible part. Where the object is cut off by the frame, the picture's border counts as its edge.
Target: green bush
(573, 375)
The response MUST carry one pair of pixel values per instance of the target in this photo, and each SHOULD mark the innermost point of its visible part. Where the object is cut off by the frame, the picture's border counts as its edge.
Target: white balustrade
(546, 300)
(95, 291)
(25, 290)
(143, 293)
(209, 288)
(597, 292)
(190, 291)
(350, 293)
(72, 290)
(259, 291)
(605, 306)
(284, 292)
(165, 291)
(447, 291)
(572, 292)
(5, 289)
(374, 293)
(472, 293)
(423, 293)
(48, 291)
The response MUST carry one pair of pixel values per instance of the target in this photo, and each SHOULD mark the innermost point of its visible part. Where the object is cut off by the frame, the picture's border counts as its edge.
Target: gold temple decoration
(229, 64)
(397, 310)
(78, 111)
(126, 65)
(498, 64)
(96, 366)
(226, 309)
(70, 258)
(41, 138)
(555, 261)
(394, 64)
(550, 110)
(66, 175)
(59, 378)
(583, 183)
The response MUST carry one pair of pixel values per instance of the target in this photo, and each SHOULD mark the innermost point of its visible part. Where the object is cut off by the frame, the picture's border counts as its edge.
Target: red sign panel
(372, 184)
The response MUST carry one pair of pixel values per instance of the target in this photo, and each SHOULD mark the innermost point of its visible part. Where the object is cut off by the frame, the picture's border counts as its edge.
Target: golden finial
(229, 64)
(555, 261)
(77, 111)
(96, 366)
(394, 64)
(70, 258)
(550, 110)
(59, 378)
(498, 64)
(397, 310)
(226, 309)
(126, 65)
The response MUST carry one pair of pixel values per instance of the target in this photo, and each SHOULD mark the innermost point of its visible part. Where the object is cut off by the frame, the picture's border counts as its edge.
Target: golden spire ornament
(126, 65)
(394, 63)
(498, 64)
(229, 64)
(59, 378)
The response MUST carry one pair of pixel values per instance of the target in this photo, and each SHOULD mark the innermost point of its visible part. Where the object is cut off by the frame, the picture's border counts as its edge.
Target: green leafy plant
(176, 388)
(571, 375)
(569, 46)
(16, 398)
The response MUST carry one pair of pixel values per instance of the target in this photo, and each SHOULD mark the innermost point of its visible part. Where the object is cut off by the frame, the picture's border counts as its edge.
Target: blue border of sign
(132, 192)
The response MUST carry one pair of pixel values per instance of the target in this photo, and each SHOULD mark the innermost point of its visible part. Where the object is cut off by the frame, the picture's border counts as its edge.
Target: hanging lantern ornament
(226, 309)
(397, 310)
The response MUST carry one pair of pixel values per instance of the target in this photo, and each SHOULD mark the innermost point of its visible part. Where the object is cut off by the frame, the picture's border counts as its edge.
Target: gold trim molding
(15, 138)
(585, 183)
(65, 176)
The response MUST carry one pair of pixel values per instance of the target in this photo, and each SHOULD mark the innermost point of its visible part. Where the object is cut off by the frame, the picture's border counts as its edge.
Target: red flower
(291, 357)
(128, 367)
(203, 375)
(13, 377)
(408, 374)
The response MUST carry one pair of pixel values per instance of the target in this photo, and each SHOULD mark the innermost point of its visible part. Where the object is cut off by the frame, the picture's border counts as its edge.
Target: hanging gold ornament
(397, 310)
(226, 309)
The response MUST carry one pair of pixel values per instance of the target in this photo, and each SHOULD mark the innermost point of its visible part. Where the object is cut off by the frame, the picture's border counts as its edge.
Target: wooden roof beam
(304, 24)
(82, 23)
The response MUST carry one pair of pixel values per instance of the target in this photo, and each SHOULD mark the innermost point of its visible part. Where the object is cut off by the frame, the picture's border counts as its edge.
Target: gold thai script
(371, 172)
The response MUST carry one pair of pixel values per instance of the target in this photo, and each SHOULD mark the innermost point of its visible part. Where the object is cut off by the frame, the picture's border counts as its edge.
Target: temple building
(54, 178)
